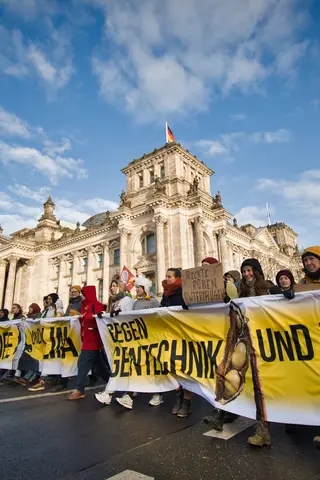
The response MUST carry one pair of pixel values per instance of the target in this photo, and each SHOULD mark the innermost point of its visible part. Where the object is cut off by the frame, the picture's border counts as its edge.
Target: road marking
(130, 475)
(231, 429)
(42, 395)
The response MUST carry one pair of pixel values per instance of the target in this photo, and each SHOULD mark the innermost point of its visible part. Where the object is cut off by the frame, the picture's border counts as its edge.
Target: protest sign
(203, 284)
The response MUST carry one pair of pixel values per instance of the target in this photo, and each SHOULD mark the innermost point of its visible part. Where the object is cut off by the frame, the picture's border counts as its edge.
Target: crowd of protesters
(250, 282)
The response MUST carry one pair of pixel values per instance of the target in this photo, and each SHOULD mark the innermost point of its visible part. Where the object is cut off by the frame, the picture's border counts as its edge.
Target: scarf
(170, 289)
(114, 299)
(251, 284)
(314, 276)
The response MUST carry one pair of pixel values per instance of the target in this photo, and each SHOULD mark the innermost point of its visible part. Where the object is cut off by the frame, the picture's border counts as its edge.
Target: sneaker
(178, 402)
(20, 381)
(38, 386)
(126, 401)
(76, 395)
(261, 437)
(103, 397)
(156, 400)
(59, 388)
(185, 409)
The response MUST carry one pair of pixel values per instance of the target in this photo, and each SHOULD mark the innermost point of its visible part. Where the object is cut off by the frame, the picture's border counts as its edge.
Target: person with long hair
(17, 312)
(118, 302)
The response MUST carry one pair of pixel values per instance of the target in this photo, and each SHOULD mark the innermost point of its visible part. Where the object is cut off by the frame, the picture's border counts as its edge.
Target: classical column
(61, 274)
(198, 222)
(75, 267)
(224, 256)
(90, 265)
(161, 266)
(30, 266)
(3, 265)
(106, 271)
(17, 288)
(123, 246)
(11, 281)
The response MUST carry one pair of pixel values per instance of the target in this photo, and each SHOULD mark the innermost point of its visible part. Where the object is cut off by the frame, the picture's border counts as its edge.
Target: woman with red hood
(91, 350)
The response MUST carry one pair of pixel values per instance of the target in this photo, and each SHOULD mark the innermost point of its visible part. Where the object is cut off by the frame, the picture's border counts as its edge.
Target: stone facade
(166, 218)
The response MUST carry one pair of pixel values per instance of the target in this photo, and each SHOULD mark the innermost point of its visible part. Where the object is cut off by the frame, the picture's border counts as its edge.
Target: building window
(100, 260)
(85, 263)
(152, 176)
(100, 291)
(70, 268)
(162, 171)
(116, 256)
(149, 244)
(140, 180)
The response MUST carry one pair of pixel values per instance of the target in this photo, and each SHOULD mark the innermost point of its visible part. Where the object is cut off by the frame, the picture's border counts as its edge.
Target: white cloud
(301, 196)
(29, 9)
(229, 143)
(238, 116)
(65, 210)
(25, 192)
(54, 168)
(49, 60)
(52, 148)
(174, 59)
(10, 124)
(257, 216)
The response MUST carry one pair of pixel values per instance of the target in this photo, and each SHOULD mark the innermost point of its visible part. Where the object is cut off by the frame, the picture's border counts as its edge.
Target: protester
(145, 299)
(17, 312)
(75, 300)
(91, 355)
(209, 261)
(28, 366)
(53, 308)
(253, 284)
(4, 315)
(118, 302)
(311, 263)
(285, 283)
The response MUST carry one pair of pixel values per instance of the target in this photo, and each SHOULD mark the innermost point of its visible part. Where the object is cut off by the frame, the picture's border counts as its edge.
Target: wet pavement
(46, 437)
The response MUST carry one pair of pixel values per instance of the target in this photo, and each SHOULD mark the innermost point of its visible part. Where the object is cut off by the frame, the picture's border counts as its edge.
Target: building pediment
(146, 261)
(264, 236)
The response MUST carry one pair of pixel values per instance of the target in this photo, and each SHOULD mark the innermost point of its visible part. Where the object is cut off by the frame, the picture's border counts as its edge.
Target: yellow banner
(257, 357)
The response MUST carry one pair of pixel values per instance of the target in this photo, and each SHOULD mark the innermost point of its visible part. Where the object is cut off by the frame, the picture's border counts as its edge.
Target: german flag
(170, 136)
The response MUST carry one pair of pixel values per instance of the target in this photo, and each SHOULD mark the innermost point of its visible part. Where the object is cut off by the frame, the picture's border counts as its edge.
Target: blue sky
(86, 86)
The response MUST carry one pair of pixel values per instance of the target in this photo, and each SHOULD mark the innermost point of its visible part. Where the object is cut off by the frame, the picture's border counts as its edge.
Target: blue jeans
(91, 360)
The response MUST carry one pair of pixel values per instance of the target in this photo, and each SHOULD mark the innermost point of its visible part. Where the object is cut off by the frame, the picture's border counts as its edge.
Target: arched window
(100, 291)
(149, 244)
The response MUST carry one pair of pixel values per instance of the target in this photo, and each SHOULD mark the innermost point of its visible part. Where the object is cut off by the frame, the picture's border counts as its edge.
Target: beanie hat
(234, 274)
(314, 251)
(76, 287)
(54, 297)
(143, 282)
(254, 264)
(286, 273)
(35, 308)
(210, 260)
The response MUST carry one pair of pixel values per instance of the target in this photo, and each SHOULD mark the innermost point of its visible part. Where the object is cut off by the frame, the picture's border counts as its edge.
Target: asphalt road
(50, 438)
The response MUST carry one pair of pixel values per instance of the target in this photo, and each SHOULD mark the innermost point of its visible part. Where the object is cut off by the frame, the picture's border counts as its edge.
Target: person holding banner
(17, 312)
(4, 315)
(91, 351)
(311, 263)
(285, 283)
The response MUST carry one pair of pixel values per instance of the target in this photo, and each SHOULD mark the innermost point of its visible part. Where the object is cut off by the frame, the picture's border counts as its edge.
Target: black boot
(185, 409)
(216, 420)
(178, 402)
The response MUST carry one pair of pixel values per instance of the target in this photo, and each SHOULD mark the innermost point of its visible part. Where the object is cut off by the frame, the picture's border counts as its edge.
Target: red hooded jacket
(89, 330)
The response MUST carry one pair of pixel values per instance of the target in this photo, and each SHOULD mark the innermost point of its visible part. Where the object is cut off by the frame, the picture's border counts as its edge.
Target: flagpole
(166, 132)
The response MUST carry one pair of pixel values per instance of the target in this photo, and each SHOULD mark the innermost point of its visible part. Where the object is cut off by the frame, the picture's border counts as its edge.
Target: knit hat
(76, 287)
(210, 260)
(143, 282)
(35, 308)
(314, 251)
(254, 264)
(54, 297)
(234, 274)
(285, 273)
